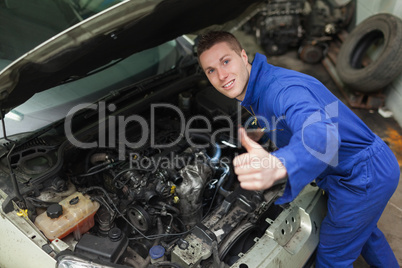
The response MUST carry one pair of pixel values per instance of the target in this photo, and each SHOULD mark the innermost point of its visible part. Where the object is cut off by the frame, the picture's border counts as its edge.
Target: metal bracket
(284, 227)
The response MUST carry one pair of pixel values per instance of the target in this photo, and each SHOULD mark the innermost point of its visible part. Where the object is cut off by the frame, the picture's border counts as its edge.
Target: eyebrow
(224, 57)
(221, 58)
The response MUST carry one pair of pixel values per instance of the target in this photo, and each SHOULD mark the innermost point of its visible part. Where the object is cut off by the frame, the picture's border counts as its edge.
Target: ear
(244, 56)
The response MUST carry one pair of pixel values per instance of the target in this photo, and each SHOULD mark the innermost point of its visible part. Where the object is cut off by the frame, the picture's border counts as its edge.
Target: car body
(116, 151)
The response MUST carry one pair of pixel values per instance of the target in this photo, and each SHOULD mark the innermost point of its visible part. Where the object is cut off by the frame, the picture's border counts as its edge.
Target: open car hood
(113, 34)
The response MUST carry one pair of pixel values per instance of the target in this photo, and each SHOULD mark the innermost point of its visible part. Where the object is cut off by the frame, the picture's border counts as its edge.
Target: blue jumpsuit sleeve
(314, 141)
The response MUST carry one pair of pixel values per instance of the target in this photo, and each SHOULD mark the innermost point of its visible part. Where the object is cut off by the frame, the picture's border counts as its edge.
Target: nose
(222, 74)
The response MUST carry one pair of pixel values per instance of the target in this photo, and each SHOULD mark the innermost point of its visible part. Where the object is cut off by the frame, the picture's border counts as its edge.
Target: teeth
(228, 84)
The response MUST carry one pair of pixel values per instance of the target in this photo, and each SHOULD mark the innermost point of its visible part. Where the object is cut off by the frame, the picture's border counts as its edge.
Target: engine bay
(169, 199)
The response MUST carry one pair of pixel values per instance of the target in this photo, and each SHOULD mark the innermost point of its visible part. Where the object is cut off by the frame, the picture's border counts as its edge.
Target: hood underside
(114, 34)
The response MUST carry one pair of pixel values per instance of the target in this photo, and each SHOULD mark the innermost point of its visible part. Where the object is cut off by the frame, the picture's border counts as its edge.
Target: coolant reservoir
(76, 215)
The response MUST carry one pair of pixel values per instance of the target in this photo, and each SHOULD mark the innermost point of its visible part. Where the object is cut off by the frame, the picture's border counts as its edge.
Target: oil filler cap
(115, 234)
(54, 211)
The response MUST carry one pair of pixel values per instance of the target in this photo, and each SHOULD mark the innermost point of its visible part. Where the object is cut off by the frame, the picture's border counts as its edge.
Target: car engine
(304, 24)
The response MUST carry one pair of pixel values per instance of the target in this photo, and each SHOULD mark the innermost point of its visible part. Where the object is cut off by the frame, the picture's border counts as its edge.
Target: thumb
(246, 141)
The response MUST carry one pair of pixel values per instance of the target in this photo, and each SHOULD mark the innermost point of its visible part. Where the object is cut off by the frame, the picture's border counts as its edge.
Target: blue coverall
(321, 138)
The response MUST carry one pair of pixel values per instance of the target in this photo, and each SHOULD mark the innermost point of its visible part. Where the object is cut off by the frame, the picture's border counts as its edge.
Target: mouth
(229, 84)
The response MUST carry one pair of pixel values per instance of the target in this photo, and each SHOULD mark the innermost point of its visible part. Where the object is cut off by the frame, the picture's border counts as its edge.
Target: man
(318, 138)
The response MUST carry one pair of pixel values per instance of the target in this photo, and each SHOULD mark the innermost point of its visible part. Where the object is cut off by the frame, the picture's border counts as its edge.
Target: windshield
(53, 104)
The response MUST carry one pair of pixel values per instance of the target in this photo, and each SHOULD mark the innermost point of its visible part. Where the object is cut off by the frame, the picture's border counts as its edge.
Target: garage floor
(387, 128)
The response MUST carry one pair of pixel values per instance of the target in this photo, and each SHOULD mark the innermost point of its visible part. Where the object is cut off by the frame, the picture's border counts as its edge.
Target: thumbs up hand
(257, 169)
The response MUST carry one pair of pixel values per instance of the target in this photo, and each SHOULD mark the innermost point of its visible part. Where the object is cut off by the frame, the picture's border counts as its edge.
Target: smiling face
(227, 71)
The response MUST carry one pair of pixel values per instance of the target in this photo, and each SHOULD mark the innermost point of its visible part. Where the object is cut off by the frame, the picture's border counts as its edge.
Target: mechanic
(319, 138)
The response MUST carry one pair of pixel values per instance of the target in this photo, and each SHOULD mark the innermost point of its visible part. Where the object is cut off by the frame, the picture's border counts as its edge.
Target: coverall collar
(259, 79)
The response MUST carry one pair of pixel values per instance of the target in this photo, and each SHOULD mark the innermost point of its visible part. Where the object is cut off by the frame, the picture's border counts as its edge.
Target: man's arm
(315, 140)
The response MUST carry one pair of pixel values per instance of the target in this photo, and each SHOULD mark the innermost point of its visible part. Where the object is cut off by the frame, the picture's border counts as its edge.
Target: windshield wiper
(97, 70)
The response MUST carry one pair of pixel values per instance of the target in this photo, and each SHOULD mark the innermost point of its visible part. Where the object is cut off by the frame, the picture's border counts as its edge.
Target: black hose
(39, 203)
(219, 188)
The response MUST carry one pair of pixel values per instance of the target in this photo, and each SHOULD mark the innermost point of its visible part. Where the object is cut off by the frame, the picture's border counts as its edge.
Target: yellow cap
(173, 189)
(23, 213)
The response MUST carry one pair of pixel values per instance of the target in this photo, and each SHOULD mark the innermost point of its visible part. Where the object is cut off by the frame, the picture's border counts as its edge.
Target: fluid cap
(157, 252)
(54, 211)
(74, 200)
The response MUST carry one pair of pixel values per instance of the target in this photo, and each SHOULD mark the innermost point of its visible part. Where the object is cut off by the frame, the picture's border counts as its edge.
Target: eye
(225, 62)
(210, 71)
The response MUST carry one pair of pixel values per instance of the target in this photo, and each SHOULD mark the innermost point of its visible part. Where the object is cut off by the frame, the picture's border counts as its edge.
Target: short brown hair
(206, 41)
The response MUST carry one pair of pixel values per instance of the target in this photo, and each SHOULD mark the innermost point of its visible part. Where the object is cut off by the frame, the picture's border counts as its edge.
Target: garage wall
(366, 8)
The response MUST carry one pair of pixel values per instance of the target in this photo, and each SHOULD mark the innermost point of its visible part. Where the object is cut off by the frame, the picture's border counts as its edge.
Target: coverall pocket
(347, 196)
(358, 181)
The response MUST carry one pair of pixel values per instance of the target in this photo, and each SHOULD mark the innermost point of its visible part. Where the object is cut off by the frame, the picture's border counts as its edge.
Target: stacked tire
(385, 67)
